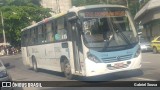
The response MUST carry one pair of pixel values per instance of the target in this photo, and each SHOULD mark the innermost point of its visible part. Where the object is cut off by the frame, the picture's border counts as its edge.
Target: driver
(107, 33)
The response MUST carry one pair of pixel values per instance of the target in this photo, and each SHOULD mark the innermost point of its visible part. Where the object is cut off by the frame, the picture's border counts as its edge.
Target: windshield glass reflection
(107, 30)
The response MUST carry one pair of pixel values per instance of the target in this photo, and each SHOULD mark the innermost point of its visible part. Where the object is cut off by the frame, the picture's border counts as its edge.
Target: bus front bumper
(94, 69)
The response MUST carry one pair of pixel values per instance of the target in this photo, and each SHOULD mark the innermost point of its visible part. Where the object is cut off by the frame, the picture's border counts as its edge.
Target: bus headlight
(137, 52)
(93, 58)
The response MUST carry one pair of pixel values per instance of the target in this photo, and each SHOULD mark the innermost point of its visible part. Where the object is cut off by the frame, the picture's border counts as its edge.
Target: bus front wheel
(67, 70)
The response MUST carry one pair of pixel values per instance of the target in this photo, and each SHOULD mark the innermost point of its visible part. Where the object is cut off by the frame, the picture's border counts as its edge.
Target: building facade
(149, 17)
(57, 6)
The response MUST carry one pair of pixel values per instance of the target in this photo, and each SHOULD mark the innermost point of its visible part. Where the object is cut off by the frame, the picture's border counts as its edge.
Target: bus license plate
(118, 65)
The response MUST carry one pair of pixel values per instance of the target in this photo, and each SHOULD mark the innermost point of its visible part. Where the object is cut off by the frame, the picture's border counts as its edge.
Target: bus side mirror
(73, 18)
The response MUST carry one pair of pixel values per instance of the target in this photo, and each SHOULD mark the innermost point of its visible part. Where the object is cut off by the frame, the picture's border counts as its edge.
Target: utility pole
(58, 6)
(127, 3)
(107, 2)
(4, 36)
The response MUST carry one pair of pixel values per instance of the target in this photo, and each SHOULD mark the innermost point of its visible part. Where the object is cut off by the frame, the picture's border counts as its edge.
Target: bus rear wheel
(67, 70)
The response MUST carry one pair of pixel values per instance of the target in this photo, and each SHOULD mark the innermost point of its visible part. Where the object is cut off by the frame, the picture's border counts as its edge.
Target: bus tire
(155, 50)
(67, 70)
(34, 64)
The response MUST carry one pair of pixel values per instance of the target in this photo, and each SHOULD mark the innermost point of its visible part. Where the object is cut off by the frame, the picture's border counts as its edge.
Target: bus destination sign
(104, 14)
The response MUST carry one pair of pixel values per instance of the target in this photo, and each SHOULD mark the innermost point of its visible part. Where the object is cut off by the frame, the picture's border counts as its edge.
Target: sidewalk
(9, 55)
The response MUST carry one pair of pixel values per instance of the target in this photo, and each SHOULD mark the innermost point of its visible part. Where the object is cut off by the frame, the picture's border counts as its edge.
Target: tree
(133, 6)
(19, 14)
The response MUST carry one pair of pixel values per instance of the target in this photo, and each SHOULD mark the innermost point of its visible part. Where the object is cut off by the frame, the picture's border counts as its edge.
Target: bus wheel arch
(34, 64)
(62, 59)
(65, 67)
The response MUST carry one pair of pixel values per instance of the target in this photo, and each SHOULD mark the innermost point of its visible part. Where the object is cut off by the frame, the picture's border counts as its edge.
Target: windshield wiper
(107, 42)
(119, 31)
(129, 43)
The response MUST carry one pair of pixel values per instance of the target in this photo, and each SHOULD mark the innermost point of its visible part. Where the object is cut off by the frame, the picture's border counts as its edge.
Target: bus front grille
(117, 59)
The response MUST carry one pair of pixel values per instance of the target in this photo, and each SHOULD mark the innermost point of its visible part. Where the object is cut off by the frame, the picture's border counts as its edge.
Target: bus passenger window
(61, 32)
(57, 36)
(64, 34)
(35, 39)
(49, 32)
(30, 37)
(40, 34)
(24, 40)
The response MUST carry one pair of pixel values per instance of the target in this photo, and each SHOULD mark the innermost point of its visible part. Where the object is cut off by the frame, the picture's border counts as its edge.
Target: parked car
(156, 44)
(4, 76)
(145, 45)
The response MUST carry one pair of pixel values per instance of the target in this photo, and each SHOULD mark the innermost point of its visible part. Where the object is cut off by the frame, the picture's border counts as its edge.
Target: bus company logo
(118, 58)
(6, 84)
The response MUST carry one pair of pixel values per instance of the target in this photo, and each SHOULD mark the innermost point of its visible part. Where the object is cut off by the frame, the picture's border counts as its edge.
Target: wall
(156, 30)
(152, 29)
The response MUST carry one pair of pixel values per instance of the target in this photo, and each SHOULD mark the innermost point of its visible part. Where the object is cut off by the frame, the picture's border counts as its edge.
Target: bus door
(24, 48)
(77, 47)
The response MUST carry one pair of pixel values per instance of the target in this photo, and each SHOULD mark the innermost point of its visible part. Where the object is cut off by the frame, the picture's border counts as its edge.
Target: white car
(4, 76)
(145, 44)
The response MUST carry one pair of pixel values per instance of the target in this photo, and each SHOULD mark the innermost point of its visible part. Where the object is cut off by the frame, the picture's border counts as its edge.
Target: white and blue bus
(87, 41)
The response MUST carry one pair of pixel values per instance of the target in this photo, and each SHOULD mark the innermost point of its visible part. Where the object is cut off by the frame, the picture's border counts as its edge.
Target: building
(149, 17)
(57, 6)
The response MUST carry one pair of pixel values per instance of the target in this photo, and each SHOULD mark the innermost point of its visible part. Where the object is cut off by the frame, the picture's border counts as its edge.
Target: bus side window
(32, 36)
(24, 38)
(61, 32)
(44, 30)
(49, 32)
(35, 39)
(40, 34)
(29, 37)
(53, 29)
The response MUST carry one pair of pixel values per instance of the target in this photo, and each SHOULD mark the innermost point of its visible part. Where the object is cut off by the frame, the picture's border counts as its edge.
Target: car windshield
(107, 29)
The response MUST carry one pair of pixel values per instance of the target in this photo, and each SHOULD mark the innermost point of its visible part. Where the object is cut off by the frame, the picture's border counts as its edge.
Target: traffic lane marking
(146, 62)
(145, 79)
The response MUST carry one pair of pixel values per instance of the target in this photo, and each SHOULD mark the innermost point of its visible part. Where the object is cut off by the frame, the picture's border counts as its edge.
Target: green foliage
(133, 6)
(20, 2)
(18, 14)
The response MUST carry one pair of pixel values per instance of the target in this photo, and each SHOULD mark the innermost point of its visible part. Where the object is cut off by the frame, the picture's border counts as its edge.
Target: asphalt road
(150, 71)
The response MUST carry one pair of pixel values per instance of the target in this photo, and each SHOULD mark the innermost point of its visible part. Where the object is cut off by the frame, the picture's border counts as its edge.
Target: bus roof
(44, 21)
(75, 9)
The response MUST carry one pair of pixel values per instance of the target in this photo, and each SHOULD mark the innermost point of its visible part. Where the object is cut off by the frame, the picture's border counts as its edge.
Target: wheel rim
(67, 69)
(34, 66)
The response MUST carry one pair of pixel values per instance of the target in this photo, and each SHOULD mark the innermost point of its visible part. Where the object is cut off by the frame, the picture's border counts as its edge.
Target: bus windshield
(107, 29)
